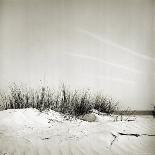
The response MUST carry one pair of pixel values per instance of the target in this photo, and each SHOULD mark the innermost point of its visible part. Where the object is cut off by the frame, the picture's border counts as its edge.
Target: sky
(104, 45)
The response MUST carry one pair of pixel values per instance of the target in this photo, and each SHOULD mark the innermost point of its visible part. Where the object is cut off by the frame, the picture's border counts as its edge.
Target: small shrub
(84, 105)
(105, 104)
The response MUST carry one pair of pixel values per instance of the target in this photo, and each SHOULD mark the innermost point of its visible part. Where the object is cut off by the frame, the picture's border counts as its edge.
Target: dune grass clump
(105, 104)
(73, 103)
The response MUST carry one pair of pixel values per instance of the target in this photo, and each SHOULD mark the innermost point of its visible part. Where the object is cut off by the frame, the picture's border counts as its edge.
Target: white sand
(29, 132)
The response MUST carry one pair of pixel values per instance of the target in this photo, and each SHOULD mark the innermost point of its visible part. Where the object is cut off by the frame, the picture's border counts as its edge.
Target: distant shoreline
(135, 112)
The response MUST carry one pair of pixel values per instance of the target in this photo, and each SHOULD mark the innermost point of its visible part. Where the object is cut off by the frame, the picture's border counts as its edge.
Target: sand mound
(88, 117)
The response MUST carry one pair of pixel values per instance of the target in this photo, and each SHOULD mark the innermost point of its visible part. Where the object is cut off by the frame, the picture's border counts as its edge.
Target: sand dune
(29, 132)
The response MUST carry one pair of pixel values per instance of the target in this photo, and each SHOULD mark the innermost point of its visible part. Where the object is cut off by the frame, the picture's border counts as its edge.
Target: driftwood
(130, 134)
(127, 134)
(115, 137)
(134, 134)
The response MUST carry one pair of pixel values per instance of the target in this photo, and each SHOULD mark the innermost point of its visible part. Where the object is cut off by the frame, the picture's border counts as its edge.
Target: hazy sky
(99, 44)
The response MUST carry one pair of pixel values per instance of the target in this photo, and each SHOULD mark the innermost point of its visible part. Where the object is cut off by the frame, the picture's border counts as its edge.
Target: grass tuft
(73, 103)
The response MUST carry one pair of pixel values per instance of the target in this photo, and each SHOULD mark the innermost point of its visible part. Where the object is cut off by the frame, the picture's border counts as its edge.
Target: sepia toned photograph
(77, 77)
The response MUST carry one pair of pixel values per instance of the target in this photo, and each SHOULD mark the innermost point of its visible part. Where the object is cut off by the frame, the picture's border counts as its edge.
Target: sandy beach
(29, 132)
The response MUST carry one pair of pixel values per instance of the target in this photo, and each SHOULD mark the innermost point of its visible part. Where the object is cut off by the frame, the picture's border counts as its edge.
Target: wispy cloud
(120, 80)
(111, 43)
(99, 60)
